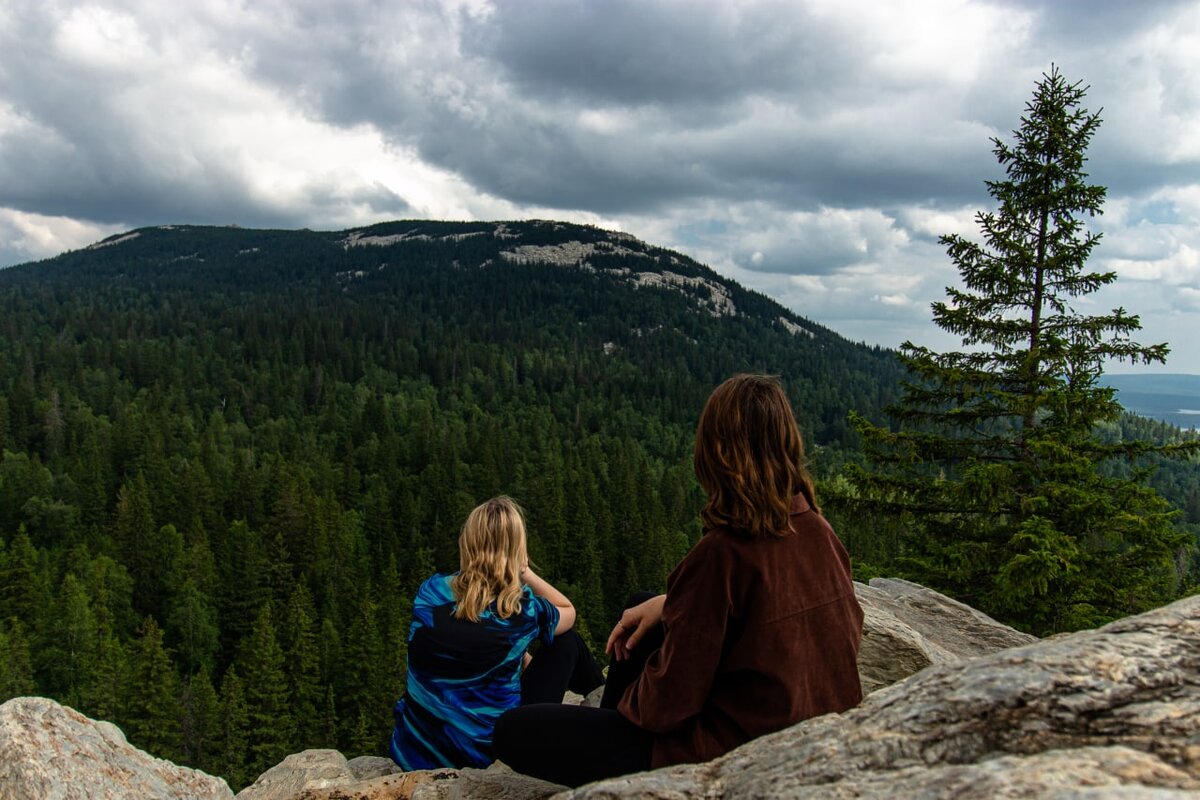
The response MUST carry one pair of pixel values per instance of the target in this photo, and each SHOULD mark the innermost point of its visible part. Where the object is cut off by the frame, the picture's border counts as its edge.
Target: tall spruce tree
(153, 709)
(272, 729)
(233, 732)
(996, 456)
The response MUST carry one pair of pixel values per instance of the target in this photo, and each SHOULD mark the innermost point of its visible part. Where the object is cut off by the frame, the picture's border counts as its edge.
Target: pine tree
(16, 671)
(367, 682)
(272, 729)
(134, 535)
(997, 454)
(67, 653)
(21, 590)
(106, 694)
(233, 732)
(192, 622)
(201, 723)
(303, 668)
(154, 710)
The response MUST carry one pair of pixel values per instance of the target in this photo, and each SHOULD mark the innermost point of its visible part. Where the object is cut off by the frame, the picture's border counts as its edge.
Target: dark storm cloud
(628, 107)
(729, 102)
(1094, 22)
(675, 54)
(615, 107)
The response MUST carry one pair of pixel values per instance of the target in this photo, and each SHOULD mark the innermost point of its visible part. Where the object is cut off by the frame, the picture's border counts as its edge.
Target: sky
(813, 150)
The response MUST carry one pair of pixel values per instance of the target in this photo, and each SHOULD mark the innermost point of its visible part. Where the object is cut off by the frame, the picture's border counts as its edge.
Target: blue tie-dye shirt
(461, 677)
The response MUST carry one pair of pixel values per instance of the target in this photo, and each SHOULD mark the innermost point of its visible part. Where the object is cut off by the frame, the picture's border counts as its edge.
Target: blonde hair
(491, 555)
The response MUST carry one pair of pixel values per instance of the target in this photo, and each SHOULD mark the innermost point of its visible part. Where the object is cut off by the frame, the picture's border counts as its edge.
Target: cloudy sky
(811, 149)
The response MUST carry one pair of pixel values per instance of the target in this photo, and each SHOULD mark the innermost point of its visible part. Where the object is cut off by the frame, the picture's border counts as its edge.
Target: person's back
(468, 646)
(461, 676)
(759, 633)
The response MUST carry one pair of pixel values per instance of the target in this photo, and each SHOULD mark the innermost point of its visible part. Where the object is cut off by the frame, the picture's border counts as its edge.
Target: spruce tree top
(1014, 312)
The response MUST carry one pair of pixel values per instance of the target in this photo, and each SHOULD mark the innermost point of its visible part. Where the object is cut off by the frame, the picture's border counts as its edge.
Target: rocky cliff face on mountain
(992, 713)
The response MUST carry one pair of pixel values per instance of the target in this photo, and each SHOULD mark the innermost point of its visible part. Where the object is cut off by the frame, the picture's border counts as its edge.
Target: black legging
(574, 745)
(565, 664)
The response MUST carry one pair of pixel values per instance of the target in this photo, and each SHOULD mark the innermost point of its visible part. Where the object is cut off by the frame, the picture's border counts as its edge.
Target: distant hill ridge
(535, 285)
(539, 242)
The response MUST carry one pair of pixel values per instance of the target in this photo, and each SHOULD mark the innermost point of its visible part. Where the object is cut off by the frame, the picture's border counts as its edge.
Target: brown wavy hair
(491, 555)
(749, 457)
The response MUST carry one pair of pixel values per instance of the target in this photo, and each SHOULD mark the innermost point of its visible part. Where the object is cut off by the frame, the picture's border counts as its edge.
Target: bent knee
(508, 734)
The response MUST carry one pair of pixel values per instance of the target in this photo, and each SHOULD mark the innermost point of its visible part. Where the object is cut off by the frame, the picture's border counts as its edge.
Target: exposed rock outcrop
(907, 628)
(327, 775)
(50, 752)
(1112, 712)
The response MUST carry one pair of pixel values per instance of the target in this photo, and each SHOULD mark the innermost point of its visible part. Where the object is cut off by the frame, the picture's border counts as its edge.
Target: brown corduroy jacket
(760, 633)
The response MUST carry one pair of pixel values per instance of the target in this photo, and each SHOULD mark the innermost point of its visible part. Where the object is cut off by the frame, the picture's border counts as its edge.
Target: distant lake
(1170, 398)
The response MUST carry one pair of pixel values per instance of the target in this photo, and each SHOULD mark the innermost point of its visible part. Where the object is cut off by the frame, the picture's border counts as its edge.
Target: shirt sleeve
(544, 614)
(678, 679)
(423, 603)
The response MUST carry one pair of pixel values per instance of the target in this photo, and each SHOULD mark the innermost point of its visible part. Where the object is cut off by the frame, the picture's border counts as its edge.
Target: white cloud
(1182, 266)
(28, 237)
(100, 38)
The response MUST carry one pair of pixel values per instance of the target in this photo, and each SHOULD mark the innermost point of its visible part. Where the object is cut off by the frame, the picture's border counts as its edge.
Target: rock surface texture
(1113, 712)
(327, 775)
(50, 752)
(907, 628)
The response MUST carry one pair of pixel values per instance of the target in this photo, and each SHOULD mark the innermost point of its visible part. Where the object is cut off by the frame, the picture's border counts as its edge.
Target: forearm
(543, 588)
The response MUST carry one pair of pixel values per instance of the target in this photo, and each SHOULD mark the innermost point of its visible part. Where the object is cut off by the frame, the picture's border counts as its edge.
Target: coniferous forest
(230, 456)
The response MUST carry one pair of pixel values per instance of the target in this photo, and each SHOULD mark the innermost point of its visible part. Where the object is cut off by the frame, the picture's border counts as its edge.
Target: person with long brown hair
(759, 627)
(468, 646)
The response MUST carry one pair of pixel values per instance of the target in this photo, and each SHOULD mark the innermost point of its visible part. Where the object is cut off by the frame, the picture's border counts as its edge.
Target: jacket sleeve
(678, 679)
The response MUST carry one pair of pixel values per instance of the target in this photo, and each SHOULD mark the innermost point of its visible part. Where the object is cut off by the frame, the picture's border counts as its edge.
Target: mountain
(580, 292)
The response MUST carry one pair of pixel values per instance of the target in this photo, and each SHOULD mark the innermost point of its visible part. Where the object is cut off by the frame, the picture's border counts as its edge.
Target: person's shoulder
(718, 549)
(435, 590)
(531, 603)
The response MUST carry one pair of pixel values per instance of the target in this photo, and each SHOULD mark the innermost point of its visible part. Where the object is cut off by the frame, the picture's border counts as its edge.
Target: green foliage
(271, 724)
(997, 462)
(201, 723)
(67, 651)
(154, 712)
(22, 588)
(16, 669)
(107, 692)
(299, 641)
(233, 732)
(192, 622)
(367, 686)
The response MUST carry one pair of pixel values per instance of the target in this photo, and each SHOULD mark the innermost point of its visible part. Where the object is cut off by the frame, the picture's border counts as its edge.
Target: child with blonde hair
(470, 635)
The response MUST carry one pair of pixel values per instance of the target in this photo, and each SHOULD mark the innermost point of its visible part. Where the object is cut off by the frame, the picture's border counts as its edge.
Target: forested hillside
(230, 455)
